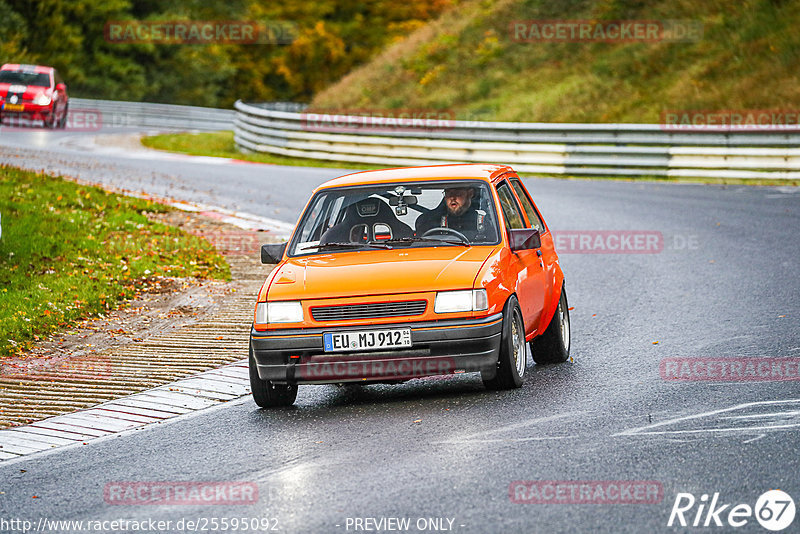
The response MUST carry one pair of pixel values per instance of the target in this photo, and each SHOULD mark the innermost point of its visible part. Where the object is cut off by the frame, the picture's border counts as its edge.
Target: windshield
(18, 77)
(398, 215)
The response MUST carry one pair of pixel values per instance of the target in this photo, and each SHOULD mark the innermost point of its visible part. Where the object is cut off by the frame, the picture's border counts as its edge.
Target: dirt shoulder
(175, 328)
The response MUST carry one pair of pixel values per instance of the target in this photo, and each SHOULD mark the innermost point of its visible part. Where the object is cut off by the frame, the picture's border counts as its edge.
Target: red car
(403, 273)
(35, 93)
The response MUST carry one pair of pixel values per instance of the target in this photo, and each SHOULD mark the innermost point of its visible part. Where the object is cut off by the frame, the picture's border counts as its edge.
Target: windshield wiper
(427, 240)
(371, 244)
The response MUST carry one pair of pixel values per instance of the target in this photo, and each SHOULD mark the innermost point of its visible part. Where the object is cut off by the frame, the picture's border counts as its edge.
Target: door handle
(539, 252)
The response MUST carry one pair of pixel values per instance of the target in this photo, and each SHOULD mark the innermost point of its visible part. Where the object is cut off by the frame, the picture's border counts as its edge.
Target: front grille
(368, 311)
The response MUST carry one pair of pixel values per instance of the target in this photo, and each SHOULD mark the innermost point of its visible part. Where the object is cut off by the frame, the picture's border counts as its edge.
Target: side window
(510, 209)
(527, 206)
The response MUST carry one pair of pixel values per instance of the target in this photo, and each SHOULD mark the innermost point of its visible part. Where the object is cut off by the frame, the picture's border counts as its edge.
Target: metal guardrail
(547, 148)
(163, 116)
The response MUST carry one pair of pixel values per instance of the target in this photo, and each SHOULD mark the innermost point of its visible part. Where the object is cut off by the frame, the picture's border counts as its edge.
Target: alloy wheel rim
(563, 320)
(519, 347)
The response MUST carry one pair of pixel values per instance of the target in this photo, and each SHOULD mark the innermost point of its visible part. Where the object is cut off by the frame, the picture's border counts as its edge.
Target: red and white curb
(180, 398)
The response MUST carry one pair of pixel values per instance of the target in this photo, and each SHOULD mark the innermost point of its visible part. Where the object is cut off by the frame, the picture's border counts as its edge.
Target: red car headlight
(42, 100)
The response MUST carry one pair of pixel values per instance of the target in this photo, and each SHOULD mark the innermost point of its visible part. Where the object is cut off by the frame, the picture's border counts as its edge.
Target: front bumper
(29, 111)
(437, 347)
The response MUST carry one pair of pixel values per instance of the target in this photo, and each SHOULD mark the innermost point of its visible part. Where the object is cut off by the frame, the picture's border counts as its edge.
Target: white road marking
(501, 440)
(759, 415)
(181, 398)
(760, 436)
(477, 437)
(712, 417)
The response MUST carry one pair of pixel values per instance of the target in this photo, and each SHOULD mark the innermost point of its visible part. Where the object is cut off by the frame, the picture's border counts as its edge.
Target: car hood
(378, 272)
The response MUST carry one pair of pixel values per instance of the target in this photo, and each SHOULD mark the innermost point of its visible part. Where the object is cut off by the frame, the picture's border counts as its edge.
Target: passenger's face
(458, 199)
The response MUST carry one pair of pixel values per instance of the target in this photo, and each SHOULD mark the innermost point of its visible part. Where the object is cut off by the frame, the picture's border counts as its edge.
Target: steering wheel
(440, 230)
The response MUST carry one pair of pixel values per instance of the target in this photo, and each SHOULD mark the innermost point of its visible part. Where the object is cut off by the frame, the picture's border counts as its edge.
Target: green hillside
(467, 61)
(324, 40)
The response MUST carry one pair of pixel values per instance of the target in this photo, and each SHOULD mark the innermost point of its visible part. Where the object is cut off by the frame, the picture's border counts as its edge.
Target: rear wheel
(513, 357)
(553, 345)
(268, 394)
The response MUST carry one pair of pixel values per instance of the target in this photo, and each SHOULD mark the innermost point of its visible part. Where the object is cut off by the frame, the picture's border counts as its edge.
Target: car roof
(34, 68)
(480, 171)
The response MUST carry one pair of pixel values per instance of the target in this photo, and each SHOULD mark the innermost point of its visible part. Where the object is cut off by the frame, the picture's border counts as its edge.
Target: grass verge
(221, 145)
(69, 251)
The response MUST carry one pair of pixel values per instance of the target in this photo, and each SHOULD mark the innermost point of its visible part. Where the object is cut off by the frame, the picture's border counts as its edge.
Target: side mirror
(272, 253)
(524, 239)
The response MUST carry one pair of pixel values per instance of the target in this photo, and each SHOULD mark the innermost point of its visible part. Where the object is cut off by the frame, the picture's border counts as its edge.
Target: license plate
(367, 340)
(13, 107)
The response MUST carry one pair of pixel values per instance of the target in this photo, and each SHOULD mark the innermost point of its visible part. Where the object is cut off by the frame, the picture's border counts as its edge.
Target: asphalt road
(725, 285)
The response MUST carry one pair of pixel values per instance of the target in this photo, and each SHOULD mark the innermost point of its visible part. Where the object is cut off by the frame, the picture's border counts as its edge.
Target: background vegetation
(333, 36)
(467, 62)
(442, 54)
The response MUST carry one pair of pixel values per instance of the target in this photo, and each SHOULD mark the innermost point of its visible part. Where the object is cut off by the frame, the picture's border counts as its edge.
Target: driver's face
(458, 200)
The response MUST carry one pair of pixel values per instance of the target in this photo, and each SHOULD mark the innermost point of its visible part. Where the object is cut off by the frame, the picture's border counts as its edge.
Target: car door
(526, 266)
(548, 252)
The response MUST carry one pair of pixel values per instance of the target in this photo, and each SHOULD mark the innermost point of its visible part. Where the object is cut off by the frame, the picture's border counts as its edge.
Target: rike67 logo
(774, 510)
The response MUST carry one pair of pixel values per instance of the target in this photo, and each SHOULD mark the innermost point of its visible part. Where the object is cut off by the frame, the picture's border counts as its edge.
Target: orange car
(404, 273)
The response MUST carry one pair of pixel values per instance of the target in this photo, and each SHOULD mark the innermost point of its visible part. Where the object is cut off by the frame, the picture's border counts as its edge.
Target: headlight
(461, 301)
(42, 100)
(279, 312)
(261, 313)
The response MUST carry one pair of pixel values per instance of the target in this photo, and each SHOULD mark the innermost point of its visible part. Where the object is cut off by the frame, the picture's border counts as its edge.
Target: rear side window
(510, 208)
(527, 206)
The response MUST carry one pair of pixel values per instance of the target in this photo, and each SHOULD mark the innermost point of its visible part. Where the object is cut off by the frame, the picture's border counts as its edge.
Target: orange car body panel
(370, 276)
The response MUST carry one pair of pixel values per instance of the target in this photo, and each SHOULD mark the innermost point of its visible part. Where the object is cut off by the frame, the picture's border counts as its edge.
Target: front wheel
(51, 122)
(513, 357)
(553, 345)
(62, 123)
(267, 394)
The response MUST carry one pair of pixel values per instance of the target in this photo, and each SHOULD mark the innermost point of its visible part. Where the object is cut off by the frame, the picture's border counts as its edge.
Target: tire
(265, 393)
(63, 122)
(513, 357)
(51, 123)
(553, 345)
